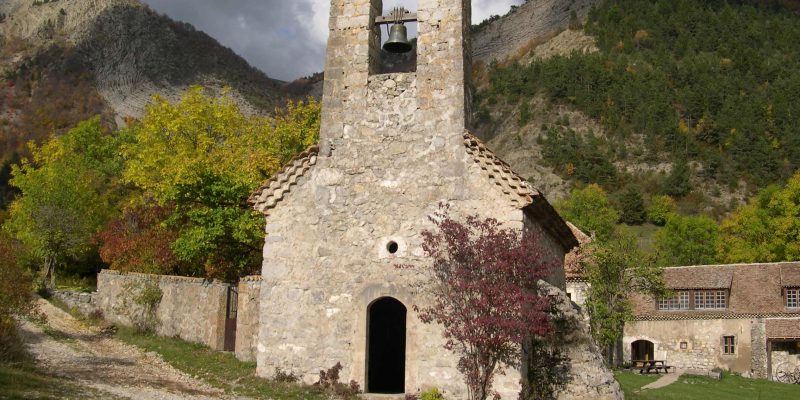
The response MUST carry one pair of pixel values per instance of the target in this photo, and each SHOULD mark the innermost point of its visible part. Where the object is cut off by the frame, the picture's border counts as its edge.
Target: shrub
(284, 377)
(329, 380)
(659, 209)
(16, 298)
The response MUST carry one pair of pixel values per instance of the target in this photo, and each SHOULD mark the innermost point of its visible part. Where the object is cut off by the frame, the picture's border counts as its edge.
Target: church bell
(398, 40)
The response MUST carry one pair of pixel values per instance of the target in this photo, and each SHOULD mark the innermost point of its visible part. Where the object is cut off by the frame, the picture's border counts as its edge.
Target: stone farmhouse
(342, 215)
(744, 318)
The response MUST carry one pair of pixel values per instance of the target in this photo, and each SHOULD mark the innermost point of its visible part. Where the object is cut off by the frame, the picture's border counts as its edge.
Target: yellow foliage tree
(203, 156)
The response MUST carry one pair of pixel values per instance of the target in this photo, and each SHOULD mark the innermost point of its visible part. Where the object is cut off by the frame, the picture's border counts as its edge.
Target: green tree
(615, 269)
(631, 202)
(67, 194)
(659, 209)
(767, 229)
(677, 182)
(590, 210)
(202, 157)
(688, 240)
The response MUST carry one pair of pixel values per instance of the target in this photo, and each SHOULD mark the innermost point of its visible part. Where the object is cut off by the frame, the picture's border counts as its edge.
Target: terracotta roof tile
(521, 194)
(269, 194)
(573, 259)
(755, 290)
(707, 277)
(783, 328)
(790, 276)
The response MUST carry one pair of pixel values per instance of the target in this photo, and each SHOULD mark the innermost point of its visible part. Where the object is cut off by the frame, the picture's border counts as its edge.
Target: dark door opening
(230, 319)
(386, 346)
(642, 350)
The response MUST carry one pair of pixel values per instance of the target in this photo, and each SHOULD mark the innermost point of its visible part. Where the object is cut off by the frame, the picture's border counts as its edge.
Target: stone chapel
(341, 215)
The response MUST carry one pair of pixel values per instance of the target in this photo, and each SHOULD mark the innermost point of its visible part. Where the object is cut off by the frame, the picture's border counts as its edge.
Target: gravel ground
(67, 348)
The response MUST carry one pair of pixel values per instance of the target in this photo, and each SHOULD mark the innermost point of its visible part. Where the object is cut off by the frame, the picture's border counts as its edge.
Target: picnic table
(645, 366)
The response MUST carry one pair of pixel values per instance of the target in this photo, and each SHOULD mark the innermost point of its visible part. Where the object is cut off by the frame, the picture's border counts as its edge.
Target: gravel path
(70, 349)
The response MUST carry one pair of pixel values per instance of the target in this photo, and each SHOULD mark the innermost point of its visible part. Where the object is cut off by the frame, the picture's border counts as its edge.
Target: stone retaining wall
(190, 308)
(193, 309)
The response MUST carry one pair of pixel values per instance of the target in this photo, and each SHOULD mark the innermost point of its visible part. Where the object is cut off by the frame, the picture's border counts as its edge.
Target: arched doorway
(642, 350)
(386, 346)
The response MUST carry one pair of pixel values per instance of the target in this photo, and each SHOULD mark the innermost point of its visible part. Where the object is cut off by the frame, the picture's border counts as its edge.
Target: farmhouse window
(793, 298)
(729, 345)
(710, 299)
(678, 302)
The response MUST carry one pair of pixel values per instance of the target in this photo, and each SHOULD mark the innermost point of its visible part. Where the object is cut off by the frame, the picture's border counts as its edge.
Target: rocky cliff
(131, 52)
(524, 25)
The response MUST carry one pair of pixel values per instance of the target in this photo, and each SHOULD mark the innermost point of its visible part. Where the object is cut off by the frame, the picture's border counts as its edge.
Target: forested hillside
(693, 100)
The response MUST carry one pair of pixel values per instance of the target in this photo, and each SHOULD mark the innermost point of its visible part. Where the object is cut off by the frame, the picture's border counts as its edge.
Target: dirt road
(67, 348)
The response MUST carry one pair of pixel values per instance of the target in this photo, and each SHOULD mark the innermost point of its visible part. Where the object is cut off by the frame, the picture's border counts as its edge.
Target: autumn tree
(138, 241)
(616, 269)
(67, 194)
(590, 210)
(203, 157)
(482, 283)
(765, 230)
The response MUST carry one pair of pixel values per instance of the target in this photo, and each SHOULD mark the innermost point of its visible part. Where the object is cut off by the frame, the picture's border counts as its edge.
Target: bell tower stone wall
(392, 148)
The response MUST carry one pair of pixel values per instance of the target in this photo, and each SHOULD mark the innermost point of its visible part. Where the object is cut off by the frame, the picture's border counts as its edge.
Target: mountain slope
(709, 84)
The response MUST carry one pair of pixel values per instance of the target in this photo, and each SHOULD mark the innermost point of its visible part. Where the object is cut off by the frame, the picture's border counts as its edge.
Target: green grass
(70, 283)
(219, 369)
(645, 236)
(24, 381)
(689, 387)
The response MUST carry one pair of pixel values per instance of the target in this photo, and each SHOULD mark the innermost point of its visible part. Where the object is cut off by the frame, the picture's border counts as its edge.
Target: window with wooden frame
(728, 345)
(710, 299)
(792, 296)
(680, 301)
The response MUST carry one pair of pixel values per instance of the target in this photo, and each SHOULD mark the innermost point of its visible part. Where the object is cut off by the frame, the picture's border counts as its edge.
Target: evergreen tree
(631, 205)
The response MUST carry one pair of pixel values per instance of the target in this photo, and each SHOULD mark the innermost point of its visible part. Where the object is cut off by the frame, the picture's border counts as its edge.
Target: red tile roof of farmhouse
(754, 290)
(521, 194)
(783, 328)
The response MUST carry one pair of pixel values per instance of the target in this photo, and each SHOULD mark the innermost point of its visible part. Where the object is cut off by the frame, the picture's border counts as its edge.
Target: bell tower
(363, 107)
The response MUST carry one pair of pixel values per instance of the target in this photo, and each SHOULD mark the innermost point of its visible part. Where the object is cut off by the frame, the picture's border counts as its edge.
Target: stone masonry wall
(532, 20)
(703, 340)
(247, 318)
(190, 308)
(758, 357)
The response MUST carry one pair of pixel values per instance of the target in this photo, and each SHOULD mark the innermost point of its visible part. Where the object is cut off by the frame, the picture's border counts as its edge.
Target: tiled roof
(572, 261)
(790, 277)
(783, 328)
(269, 194)
(521, 194)
(755, 290)
(706, 277)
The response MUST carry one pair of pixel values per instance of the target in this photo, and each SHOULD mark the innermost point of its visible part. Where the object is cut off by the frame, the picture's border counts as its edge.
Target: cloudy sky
(284, 38)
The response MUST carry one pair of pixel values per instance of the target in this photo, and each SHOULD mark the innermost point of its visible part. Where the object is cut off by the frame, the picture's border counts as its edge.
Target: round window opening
(392, 247)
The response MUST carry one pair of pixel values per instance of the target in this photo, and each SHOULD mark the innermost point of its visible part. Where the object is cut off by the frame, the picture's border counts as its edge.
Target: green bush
(659, 209)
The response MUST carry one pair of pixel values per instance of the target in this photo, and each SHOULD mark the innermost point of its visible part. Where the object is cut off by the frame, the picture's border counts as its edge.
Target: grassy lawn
(219, 369)
(689, 387)
(24, 381)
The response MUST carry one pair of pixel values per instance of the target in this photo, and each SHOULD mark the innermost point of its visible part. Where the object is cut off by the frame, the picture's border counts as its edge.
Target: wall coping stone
(164, 278)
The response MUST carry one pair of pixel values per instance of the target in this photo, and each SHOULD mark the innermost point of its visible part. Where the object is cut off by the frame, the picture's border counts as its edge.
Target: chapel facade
(342, 215)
